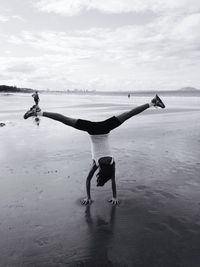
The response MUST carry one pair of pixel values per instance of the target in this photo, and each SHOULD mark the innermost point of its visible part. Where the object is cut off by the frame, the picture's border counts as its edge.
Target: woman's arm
(114, 190)
(88, 199)
(114, 199)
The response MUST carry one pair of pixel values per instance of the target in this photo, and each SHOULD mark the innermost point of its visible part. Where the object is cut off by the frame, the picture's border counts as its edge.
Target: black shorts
(100, 127)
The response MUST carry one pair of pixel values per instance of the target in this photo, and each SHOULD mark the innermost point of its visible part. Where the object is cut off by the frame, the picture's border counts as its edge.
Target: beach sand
(42, 181)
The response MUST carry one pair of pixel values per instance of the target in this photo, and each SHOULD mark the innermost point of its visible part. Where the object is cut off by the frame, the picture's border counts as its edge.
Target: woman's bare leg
(128, 114)
(59, 117)
(156, 102)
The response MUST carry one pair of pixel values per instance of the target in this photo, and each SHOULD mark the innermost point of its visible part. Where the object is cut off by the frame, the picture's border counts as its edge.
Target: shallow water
(42, 180)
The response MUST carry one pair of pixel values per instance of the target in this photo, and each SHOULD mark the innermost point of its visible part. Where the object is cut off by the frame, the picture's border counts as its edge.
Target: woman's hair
(106, 170)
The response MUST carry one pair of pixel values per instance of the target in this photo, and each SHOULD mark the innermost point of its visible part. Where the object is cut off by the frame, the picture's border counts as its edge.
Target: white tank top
(100, 146)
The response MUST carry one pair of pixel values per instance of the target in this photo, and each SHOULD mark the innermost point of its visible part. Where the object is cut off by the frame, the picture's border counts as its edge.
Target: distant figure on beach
(36, 97)
(129, 95)
(2, 124)
(35, 107)
(102, 157)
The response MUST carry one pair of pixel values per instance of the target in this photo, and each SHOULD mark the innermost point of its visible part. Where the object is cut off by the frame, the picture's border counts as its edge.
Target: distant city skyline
(100, 45)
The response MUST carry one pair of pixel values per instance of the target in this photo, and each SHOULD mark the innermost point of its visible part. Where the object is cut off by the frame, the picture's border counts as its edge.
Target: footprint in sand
(15, 206)
(153, 226)
(149, 193)
(37, 226)
(42, 241)
(176, 225)
(50, 172)
(141, 187)
(166, 194)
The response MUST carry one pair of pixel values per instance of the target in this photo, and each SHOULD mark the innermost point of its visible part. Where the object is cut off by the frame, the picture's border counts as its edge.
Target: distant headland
(14, 89)
(187, 91)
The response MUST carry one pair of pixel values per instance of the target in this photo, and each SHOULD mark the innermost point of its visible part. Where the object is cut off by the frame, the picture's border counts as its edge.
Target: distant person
(36, 98)
(103, 160)
(129, 95)
(36, 107)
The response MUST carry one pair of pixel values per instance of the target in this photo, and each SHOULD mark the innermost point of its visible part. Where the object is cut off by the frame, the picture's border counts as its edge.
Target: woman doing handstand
(99, 132)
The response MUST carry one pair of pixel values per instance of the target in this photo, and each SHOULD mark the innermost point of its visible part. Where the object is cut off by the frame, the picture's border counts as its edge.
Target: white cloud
(74, 7)
(168, 37)
(188, 29)
(16, 40)
(157, 54)
(6, 18)
(22, 68)
(134, 53)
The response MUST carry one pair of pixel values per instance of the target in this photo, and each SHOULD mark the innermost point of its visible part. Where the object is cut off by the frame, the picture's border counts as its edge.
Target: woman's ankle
(151, 104)
(40, 113)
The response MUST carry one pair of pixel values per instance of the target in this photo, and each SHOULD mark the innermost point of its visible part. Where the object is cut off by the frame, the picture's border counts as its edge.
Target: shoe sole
(160, 103)
(29, 114)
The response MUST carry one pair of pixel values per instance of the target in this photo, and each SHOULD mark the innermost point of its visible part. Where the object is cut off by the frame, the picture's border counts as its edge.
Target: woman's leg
(156, 102)
(59, 117)
(128, 114)
(79, 124)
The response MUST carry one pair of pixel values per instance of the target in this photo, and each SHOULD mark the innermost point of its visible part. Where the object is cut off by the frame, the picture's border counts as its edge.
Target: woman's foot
(32, 112)
(157, 102)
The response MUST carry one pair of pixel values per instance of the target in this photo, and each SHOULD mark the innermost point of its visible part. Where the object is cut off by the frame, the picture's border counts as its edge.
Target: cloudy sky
(100, 44)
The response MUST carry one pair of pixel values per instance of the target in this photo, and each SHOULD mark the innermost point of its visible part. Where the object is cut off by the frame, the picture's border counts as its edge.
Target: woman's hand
(114, 201)
(86, 201)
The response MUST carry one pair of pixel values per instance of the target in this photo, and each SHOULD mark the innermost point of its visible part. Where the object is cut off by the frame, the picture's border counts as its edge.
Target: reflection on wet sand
(101, 232)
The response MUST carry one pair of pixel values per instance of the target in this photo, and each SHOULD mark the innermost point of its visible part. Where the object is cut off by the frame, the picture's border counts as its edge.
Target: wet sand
(42, 180)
